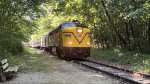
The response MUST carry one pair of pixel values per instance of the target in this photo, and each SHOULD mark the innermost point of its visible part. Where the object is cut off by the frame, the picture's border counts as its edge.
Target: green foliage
(49, 21)
(138, 62)
(29, 60)
(15, 24)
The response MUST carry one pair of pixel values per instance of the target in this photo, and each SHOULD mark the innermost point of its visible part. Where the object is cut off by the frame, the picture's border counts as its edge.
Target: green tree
(14, 25)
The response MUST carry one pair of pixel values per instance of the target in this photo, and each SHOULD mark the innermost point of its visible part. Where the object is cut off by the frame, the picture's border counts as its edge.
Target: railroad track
(127, 75)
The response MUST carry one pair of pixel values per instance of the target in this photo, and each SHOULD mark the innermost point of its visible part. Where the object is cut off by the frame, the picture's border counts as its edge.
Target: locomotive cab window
(68, 25)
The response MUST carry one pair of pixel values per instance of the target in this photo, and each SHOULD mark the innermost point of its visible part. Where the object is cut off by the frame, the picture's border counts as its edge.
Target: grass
(29, 61)
(138, 62)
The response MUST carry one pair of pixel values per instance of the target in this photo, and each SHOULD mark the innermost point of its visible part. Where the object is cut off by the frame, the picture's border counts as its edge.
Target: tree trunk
(149, 34)
(132, 33)
(136, 40)
(102, 42)
(128, 35)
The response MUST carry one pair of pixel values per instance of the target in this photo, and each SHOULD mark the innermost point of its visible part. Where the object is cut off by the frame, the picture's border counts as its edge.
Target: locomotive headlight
(70, 42)
(79, 30)
(88, 43)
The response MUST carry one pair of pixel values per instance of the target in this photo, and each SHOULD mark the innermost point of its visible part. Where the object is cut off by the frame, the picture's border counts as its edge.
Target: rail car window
(67, 25)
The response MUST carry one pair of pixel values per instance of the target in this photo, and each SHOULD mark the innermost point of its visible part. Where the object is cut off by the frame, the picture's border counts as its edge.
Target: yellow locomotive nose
(76, 37)
(71, 40)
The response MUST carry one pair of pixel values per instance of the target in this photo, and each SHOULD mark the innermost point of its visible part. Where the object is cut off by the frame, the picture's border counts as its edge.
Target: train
(68, 40)
(35, 44)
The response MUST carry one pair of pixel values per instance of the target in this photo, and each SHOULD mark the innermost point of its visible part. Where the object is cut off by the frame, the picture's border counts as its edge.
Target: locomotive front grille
(77, 52)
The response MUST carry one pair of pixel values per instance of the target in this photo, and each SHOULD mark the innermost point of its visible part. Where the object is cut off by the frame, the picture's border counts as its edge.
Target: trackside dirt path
(49, 69)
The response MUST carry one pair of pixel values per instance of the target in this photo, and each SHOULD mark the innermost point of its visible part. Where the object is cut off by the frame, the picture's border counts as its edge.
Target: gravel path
(61, 78)
(64, 73)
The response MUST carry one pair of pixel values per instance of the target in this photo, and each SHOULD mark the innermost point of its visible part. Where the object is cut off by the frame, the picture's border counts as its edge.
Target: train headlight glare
(79, 30)
(70, 42)
(88, 43)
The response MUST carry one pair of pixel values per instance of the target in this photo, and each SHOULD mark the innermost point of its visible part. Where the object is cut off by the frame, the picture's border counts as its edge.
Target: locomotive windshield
(71, 24)
(67, 25)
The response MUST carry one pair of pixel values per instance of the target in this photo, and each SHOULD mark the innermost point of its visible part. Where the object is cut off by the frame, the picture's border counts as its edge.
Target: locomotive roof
(67, 25)
(72, 24)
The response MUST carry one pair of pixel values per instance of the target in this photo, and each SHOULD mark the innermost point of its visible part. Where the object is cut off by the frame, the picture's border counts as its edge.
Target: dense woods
(15, 24)
(121, 24)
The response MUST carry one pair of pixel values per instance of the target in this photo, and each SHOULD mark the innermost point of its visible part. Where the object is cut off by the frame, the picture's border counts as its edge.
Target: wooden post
(2, 76)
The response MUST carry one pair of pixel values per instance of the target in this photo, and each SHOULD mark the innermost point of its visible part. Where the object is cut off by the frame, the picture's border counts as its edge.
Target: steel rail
(122, 69)
(110, 73)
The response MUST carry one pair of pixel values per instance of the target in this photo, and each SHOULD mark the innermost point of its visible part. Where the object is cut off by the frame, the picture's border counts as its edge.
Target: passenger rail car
(45, 42)
(35, 44)
(70, 40)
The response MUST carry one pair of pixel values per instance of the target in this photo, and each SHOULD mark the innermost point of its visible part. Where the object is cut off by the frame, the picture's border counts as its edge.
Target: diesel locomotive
(70, 39)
